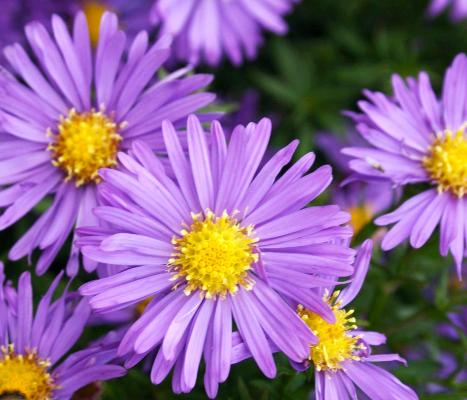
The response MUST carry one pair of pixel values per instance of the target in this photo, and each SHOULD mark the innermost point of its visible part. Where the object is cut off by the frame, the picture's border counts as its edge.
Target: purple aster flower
(133, 15)
(458, 8)
(67, 116)
(205, 30)
(33, 346)
(221, 241)
(342, 358)
(362, 200)
(417, 138)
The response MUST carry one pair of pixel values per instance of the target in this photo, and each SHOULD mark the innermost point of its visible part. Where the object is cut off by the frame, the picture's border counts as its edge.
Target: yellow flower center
(335, 344)
(214, 255)
(94, 11)
(360, 216)
(24, 376)
(85, 143)
(447, 161)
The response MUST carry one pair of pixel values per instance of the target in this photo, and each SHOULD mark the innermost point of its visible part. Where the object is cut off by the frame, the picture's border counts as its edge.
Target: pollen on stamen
(214, 255)
(25, 375)
(446, 162)
(336, 343)
(85, 143)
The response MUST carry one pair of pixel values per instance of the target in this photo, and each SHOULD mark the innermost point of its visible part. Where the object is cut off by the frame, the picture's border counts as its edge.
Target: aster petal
(385, 358)
(296, 196)
(138, 243)
(84, 377)
(180, 164)
(28, 200)
(221, 340)
(265, 178)
(362, 263)
(195, 343)
(49, 56)
(427, 221)
(132, 292)
(180, 323)
(70, 57)
(455, 93)
(71, 331)
(200, 163)
(253, 335)
(387, 383)
(33, 77)
(24, 312)
(294, 173)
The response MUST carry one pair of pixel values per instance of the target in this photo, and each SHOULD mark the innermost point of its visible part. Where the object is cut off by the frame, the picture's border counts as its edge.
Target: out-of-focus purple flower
(17, 13)
(33, 345)
(206, 30)
(223, 241)
(67, 116)
(417, 138)
(458, 8)
(363, 200)
(133, 15)
(343, 358)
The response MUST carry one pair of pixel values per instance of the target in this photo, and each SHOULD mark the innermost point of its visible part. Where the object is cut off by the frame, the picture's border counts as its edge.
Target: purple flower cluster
(207, 248)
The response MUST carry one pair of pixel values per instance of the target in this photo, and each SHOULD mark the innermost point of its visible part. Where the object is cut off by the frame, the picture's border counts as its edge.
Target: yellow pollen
(94, 10)
(85, 143)
(335, 344)
(214, 255)
(360, 216)
(24, 376)
(447, 161)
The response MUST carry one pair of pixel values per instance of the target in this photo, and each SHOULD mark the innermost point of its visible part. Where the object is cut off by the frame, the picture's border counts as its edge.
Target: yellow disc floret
(447, 161)
(94, 10)
(336, 344)
(25, 376)
(360, 216)
(85, 143)
(214, 255)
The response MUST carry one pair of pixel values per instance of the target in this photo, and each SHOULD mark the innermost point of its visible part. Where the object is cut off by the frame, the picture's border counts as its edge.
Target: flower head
(342, 357)
(33, 346)
(207, 30)
(417, 138)
(221, 241)
(66, 116)
(458, 8)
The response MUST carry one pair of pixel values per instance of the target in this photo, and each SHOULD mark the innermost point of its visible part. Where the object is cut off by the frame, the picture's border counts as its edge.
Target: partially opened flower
(342, 358)
(458, 8)
(33, 346)
(418, 138)
(206, 30)
(68, 114)
(222, 241)
(362, 200)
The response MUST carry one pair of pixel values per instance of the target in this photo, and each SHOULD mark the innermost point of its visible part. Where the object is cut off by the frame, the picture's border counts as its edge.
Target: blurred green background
(304, 80)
